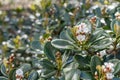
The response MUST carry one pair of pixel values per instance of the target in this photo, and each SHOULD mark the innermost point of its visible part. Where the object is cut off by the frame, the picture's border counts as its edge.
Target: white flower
(32, 17)
(109, 76)
(96, 73)
(28, 58)
(102, 53)
(25, 36)
(103, 67)
(81, 37)
(94, 7)
(19, 31)
(83, 28)
(110, 66)
(103, 21)
(37, 50)
(19, 72)
(27, 46)
(65, 5)
(56, 20)
(81, 31)
(37, 14)
(40, 37)
(4, 43)
(18, 54)
(118, 17)
(37, 21)
(81, 3)
(70, 13)
(105, 70)
(39, 71)
(112, 6)
(117, 14)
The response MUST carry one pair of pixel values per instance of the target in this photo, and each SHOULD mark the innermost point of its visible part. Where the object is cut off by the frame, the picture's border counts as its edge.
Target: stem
(114, 49)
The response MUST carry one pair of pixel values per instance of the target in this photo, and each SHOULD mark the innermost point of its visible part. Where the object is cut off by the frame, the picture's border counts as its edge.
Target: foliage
(57, 40)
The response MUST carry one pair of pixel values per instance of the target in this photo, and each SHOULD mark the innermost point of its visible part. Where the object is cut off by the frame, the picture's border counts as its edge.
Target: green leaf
(97, 35)
(33, 75)
(48, 73)
(98, 23)
(62, 44)
(12, 74)
(66, 35)
(25, 67)
(99, 39)
(81, 60)
(50, 51)
(3, 78)
(45, 4)
(102, 44)
(67, 18)
(73, 74)
(3, 70)
(115, 78)
(112, 24)
(114, 61)
(46, 64)
(117, 68)
(86, 75)
(36, 45)
(98, 12)
(95, 60)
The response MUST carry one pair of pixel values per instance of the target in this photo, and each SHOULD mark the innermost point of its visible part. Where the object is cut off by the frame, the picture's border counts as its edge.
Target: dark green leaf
(25, 67)
(33, 75)
(3, 70)
(50, 51)
(47, 64)
(62, 44)
(81, 60)
(95, 60)
(117, 68)
(12, 74)
(86, 75)
(66, 35)
(36, 45)
(3, 78)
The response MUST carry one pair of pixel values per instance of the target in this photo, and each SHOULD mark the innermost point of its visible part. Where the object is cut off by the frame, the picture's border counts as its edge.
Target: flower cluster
(101, 53)
(43, 40)
(93, 20)
(82, 31)
(17, 41)
(117, 15)
(105, 72)
(9, 63)
(19, 74)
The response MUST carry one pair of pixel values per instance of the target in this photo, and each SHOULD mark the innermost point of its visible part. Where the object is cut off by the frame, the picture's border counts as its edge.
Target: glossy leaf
(25, 67)
(66, 35)
(95, 61)
(36, 45)
(86, 75)
(117, 68)
(33, 75)
(50, 51)
(3, 70)
(3, 78)
(62, 44)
